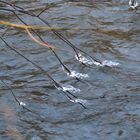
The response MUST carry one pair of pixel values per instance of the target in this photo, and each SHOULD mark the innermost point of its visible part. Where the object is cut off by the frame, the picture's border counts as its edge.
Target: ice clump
(110, 63)
(70, 88)
(90, 61)
(77, 75)
(67, 88)
(87, 60)
(79, 101)
(22, 104)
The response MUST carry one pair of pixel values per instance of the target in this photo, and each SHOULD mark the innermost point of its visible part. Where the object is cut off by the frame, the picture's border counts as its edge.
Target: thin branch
(56, 84)
(76, 49)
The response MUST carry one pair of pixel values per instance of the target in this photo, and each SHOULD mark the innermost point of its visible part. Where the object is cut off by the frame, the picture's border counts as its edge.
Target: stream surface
(107, 30)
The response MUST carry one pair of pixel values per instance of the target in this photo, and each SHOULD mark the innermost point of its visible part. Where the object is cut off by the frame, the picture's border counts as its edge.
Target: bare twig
(56, 84)
(76, 49)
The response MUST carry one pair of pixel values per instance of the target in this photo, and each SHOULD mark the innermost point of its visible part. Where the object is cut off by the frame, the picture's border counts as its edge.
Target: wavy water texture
(107, 106)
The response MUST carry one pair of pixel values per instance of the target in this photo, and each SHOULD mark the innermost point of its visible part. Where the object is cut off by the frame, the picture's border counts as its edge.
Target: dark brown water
(107, 30)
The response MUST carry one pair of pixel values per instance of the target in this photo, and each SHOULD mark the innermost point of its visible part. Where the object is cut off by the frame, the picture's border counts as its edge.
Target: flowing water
(108, 31)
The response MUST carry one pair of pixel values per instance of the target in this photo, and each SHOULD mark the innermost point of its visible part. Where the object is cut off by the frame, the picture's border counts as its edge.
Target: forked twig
(42, 42)
(56, 84)
(76, 49)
